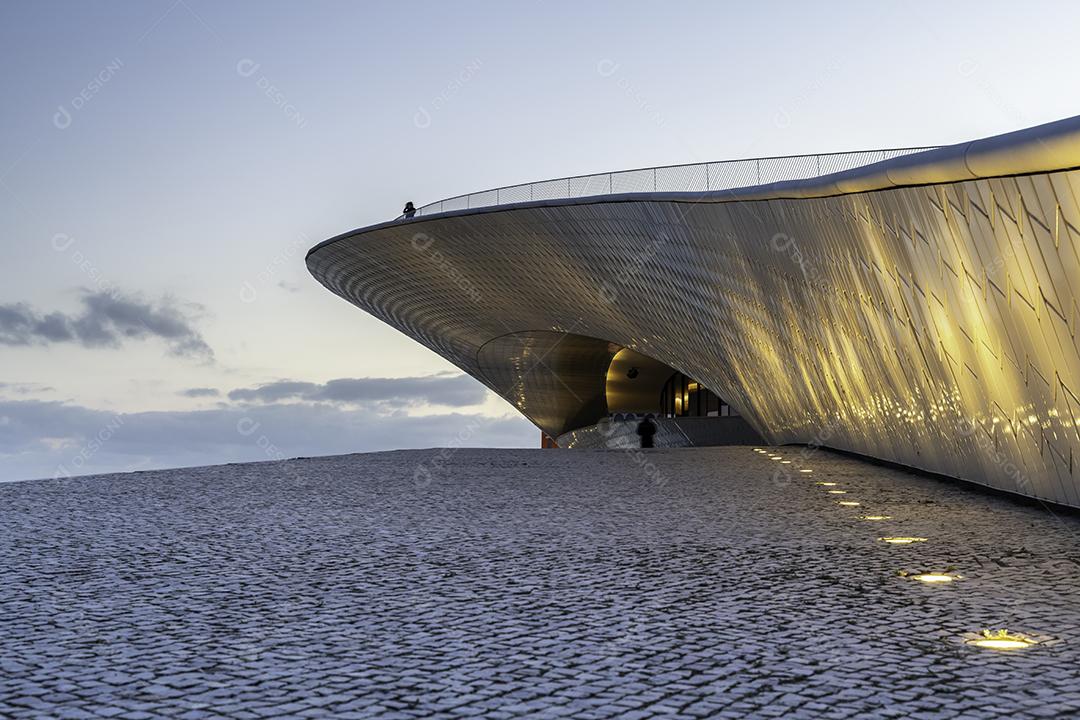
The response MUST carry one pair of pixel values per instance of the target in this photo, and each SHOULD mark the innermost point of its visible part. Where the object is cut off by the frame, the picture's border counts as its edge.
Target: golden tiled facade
(921, 310)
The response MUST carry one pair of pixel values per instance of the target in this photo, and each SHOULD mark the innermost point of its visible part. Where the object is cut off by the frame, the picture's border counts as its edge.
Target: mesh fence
(699, 177)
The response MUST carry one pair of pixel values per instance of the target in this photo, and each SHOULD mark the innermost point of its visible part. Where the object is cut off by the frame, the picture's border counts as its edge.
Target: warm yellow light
(825, 484)
(1002, 640)
(902, 540)
(837, 492)
(1001, 644)
(932, 578)
(775, 457)
(848, 503)
(876, 517)
(785, 462)
(804, 470)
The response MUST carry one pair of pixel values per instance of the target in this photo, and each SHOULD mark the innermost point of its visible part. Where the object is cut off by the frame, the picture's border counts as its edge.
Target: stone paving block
(571, 586)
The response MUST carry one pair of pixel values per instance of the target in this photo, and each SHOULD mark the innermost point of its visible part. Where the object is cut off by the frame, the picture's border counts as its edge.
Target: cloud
(106, 320)
(199, 392)
(21, 388)
(43, 438)
(273, 392)
(442, 389)
(46, 439)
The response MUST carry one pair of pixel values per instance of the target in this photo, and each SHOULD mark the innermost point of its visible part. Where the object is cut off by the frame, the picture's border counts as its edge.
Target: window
(683, 397)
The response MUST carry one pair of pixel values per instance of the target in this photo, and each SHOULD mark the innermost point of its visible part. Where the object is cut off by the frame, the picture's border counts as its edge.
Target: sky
(166, 164)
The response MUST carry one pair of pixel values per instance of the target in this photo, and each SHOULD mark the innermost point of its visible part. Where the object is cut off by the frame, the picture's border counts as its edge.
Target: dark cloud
(443, 389)
(273, 392)
(200, 392)
(44, 439)
(106, 320)
(25, 388)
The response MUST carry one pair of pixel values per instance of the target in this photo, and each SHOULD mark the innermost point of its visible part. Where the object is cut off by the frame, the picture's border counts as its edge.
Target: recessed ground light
(825, 484)
(775, 457)
(837, 492)
(931, 578)
(848, 503)
(902, 540)
(875, 517)
(1001, 640)
(934, 578)
(785, 462)
(805, 470)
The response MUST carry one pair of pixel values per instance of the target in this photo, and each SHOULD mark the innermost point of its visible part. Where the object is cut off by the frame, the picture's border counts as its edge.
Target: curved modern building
(919, 306)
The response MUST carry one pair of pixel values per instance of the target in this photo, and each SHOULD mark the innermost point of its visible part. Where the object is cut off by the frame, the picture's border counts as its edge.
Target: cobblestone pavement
(530, 584)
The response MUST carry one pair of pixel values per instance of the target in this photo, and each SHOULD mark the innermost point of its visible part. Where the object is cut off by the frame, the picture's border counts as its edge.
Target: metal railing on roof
(697, 177)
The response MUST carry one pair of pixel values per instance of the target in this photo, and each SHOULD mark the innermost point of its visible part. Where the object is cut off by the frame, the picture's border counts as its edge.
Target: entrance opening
(682, 396)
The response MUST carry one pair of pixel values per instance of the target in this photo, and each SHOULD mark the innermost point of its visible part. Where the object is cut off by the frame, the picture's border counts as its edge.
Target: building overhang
(917, 309)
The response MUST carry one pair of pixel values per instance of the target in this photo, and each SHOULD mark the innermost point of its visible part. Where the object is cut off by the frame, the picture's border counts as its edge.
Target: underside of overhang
(563, 381)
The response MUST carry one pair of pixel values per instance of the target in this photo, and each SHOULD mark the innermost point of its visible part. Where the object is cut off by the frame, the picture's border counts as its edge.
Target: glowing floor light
(848, 503)
(805, 470)
(902, 540)
(825, 484)
(933, 578)
(875, 517)
(837, 492)
(1001, 640)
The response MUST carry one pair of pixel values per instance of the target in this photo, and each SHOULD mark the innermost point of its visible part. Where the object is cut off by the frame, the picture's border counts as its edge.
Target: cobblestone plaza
(589, 584)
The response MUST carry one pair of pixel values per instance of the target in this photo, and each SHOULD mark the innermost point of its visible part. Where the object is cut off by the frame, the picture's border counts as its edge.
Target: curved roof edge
(1049, 147)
